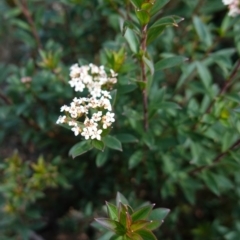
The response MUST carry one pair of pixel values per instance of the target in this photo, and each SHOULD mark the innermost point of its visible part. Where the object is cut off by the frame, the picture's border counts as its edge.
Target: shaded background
(44, 192)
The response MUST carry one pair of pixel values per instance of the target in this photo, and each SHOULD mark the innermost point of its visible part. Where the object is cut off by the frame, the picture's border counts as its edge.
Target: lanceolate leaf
(202, 31)
(157, 6)
(149, 64)
(146, 234)
(169, 62)
(159, 214)
(102, 158)
(137, 3)
(139, 225)
(158, 27)
(113, 143)
(98, 144)
(143, 16)
(132, 40)
(142, 213)
(112, 211)
(80, 148)
(153, 224)
(111, 225)
(126, 138)
(121, 199)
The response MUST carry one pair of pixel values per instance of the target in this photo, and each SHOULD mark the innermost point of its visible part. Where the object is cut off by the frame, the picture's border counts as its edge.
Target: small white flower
(85, 133)
(61, 119)
(96, 117)
(64, 108)
(106, 94)
(96, 134)
(110, 117)
(76, 130)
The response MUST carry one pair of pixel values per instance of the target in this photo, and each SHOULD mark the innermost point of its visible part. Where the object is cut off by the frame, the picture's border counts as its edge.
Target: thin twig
(144, 76)
(216, 160)
(24, 8)
(225, 87)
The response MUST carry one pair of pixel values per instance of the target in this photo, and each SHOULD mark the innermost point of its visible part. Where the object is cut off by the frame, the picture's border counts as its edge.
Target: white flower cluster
(234, 7)
(95, 111)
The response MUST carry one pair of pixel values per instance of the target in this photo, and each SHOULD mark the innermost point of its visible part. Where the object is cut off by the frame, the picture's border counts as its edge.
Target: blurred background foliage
(188, 161)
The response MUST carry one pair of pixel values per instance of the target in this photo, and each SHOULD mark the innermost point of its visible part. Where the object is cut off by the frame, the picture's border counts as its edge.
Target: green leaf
(137, 3)
(169, 62)
(132, 40)
(143, 16)
(158, 27)
(139, 225)
(159, 214)
(123, 89)
(80, 148)
(149, 64)
(98, 144)
(157, 6)
(167, 21)
(153, 33)
(146, 234)
(122, 214)
(147, 6)
(211, 182)
(142, 213)
(135, 159)
(101, 158)
(112, 211)
(111, 225)
(153, 224)
(202, 31)
(204, 74)
(116, 237)
(121, 199)
(113, 143)
(126, 138)
(114, 96)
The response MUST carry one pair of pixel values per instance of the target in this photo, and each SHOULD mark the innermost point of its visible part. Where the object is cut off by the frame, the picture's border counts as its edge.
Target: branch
(216, 160)
(144, 76)
(226, 85)
(24, 8)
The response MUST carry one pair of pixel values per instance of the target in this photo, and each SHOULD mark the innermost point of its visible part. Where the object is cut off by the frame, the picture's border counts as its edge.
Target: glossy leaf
(98, 144)
(113, 143)
(101, 158)
(159, 214)
(80, 148)
(139, 225)
(153, 224)
(142, 213)
(159, 26)
(137, 3)
(202, 31)
(126, 138)
(146, 234)
(143, 17)
(149, 64)
(112, 211)
(169, 62)
(132, 40)
(111, 225)
(158, 5)
(135, 159)
(121, 199)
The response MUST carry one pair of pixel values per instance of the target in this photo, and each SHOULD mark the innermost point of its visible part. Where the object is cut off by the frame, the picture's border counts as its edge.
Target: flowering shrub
(94, 79)
(234, 7)
(163, 111)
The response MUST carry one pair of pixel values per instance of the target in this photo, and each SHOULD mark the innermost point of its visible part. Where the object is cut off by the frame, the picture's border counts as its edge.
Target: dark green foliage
(187, 160)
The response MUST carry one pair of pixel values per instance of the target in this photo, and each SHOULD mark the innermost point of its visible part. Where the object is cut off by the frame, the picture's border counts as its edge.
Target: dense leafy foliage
(175, 141)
